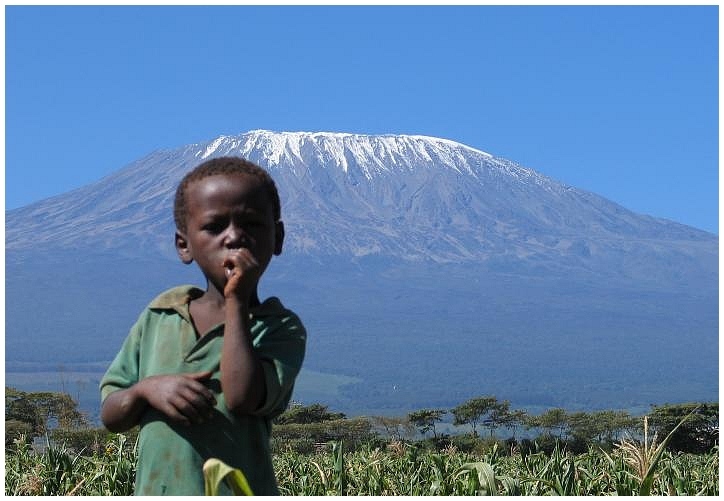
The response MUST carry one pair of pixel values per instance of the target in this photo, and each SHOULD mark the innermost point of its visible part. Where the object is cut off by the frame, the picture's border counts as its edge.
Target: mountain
(446, 270)
(409, 197)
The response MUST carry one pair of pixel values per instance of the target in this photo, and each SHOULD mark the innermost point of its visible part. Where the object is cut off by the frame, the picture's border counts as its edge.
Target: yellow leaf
(216, 471)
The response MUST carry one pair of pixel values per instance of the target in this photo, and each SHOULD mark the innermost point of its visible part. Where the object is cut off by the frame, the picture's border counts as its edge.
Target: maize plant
(398, 470)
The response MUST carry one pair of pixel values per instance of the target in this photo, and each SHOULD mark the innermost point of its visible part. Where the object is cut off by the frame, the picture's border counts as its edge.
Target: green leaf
(648, 480)
(338, 455)
(486, 476)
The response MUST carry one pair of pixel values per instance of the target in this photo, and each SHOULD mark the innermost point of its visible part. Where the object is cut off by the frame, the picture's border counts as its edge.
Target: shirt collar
(179, 298)
(176, 297)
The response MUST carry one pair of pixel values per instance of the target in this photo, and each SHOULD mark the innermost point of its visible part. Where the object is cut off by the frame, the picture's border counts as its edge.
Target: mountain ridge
(319, 162)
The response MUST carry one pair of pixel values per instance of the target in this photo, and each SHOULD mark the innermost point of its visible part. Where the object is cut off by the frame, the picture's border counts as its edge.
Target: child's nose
(235, 237)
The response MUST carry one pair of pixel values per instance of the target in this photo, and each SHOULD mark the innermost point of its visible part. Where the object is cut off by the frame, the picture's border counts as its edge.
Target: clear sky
(621, 101)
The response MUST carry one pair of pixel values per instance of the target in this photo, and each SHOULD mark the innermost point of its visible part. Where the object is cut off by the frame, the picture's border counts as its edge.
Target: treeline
(55, 415)
(479, 423)
(304, 428)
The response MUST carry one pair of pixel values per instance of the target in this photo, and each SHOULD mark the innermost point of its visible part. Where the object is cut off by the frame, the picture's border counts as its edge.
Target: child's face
(227, 212)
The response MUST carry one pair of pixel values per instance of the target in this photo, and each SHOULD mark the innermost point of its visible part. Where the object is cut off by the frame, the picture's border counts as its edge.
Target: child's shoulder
(175, 297)
(275, 315)
(272, 306)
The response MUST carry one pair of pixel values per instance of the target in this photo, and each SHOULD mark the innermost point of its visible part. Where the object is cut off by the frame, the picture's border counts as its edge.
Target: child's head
(224, 205)
(223, 166)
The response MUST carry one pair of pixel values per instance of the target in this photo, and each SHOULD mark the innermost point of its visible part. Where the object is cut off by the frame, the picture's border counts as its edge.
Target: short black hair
(234, 166)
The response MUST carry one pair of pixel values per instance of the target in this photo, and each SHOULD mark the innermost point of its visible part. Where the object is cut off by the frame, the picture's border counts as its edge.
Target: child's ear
(278, 237)
(182, 247)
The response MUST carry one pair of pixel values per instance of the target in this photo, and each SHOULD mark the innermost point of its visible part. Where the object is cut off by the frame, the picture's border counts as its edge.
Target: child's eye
(252, 222)
(213, 227)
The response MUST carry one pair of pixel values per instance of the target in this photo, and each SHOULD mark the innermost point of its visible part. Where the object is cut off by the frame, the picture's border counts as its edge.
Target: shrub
(17, 430)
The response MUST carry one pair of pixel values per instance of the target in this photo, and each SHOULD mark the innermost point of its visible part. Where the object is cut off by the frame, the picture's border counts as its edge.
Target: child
(204, 372)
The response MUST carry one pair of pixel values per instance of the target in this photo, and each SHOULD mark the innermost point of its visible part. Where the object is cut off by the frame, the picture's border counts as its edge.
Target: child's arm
(181, 397)
(242, 376)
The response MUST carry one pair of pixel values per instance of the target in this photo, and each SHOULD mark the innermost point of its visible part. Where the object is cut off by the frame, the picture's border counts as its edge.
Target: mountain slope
(410, 197)
(406, 248)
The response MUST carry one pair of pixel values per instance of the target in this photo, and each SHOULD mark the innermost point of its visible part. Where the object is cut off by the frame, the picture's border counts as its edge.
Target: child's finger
(194, 406)
(199, 376)
(174, 414)
(239, 258)
(199, 396)
(206, 395)
(197, 386)
(190, 413)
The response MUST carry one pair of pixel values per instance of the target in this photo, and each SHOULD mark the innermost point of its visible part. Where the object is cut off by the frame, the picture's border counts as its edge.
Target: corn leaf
(216, 471)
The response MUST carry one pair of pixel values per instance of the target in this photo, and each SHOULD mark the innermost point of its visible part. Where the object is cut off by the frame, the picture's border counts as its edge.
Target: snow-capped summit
(404, 196)
(373, 155)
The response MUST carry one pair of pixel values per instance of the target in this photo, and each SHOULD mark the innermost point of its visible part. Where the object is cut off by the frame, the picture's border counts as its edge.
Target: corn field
(58, 471)
(403, 471)
(400, 470)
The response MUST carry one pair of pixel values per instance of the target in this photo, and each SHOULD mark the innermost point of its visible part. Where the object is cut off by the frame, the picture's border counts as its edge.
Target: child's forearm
(182, 398)
(242, 376)
(122, 409)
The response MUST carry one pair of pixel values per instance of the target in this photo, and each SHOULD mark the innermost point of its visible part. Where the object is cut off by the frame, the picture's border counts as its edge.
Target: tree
(425, 419)
(699, 433)
(474, 411)
(21, 414)
(512, 419)
(602, 427)
(352, 431)
(33, 414)
(58, 410)
(553, 419)
(497, 416)
(611, 424)
(582, 427)
(395, 427)
(301, 414)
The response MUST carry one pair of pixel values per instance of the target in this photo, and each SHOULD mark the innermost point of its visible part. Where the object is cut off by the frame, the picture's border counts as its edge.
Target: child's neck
(210, 309)
(216, 299)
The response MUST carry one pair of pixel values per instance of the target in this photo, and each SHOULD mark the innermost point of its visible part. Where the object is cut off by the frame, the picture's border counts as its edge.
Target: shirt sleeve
(124, 370)
(281, 351)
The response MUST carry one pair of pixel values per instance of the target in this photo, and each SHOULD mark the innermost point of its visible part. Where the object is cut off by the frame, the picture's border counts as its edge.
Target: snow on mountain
(403, 196)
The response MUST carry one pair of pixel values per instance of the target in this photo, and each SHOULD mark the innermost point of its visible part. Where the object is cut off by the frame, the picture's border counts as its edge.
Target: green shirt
(164, 341)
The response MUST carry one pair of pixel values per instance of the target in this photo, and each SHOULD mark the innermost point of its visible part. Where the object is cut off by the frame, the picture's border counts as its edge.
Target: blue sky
(621, 101)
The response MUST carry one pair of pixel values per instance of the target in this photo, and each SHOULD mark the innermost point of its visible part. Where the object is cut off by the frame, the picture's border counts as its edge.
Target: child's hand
(242, 274)
(181, 397)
